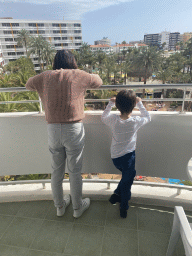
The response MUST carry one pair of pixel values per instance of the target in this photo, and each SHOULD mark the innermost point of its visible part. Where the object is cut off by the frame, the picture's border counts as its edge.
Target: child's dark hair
(64, 59)
(126, 101)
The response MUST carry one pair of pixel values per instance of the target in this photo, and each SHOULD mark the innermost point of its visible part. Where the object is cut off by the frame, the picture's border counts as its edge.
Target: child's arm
(106, 116)
(144, 113)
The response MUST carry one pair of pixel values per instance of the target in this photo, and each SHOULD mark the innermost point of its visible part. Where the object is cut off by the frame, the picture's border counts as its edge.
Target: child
(124, 134)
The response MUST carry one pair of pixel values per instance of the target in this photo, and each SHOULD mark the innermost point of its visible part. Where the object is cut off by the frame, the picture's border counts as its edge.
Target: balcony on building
(28, 221)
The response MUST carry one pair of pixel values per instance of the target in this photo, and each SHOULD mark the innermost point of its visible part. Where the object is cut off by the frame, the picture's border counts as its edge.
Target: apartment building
(152, 39)
(186, 36)
(122, 47)
(173, 39)
(103, 41)
(116, 48)
(62, 34)
(164, 37)
(103, 47)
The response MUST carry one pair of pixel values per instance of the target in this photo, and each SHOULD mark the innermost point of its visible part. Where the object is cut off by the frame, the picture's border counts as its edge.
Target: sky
(118, 20)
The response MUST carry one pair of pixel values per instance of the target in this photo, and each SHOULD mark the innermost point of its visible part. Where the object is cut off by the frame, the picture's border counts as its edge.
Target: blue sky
(116, 19)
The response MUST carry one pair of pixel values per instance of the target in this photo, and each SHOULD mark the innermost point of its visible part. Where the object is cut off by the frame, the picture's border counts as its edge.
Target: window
(40, 24)
(17, 46)
(77, 44)
(33, 32)
(57, 38)
(78, 37)
(6, 24)
(32, 24)
(10, 32)
(57, 44)
(77, 31)
(65, 44)
(35, 58)
(9, 39)
(20, 53)
(12, 60)
(41, 32)
(58, 25)
(15, 24)
(11, 53)
(77, 25)
(9, 46)
(58, 31)
(36, 65)
(64, 38)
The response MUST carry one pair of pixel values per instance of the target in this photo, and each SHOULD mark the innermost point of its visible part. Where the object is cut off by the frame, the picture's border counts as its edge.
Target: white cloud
(75, 8)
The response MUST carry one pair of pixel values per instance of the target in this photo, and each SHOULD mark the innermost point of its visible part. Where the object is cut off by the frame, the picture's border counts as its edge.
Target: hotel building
(62, 34)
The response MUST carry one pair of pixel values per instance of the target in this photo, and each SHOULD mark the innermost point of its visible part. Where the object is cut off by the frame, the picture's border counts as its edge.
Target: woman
(62, 93)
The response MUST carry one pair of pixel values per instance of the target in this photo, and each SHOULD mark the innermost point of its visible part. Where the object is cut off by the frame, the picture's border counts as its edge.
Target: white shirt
(124, 132)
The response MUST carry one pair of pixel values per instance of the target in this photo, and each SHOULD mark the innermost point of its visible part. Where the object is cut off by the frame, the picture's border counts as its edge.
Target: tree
(86, 57)
(22, 64)
(164, 71)
(36, 45)
(100, 57)
(188, 54)
(23, 39)
(48, 54)
(7, 107)
(148, 59)
(109, 66)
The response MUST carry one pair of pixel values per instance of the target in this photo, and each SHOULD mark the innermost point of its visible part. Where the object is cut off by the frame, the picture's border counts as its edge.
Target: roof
(100, 45)
(123, 45)
(142, 45)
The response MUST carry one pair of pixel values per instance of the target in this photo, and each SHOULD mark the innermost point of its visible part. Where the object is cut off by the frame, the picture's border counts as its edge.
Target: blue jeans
(126, 164)
(66, 142)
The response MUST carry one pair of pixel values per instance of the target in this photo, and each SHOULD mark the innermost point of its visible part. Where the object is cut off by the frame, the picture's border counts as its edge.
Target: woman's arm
(34, 83)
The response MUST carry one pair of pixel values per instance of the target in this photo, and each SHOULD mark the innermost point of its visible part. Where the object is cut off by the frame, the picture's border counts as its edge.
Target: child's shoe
(114, 198)
(61, 211)
(123, 213)
(85, 205)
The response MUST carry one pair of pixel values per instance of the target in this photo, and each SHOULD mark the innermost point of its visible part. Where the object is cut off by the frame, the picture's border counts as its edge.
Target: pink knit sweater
(62, 93)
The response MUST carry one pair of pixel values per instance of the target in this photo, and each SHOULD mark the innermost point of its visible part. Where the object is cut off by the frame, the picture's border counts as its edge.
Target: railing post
(184, 94)
(108, 185)
(179, 191)
(41, 110)
(43, 185)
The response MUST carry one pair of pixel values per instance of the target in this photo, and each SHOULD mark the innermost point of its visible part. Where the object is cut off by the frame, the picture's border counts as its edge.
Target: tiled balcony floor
(32, 229)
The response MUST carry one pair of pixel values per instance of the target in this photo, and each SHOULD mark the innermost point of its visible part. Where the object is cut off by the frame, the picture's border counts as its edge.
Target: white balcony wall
(164, 146)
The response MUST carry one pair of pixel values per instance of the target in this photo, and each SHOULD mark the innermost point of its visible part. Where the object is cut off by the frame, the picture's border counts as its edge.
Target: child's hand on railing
(113, 99)
(138, 99)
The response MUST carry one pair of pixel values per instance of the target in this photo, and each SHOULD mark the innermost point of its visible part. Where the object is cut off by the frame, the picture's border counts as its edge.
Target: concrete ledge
(166, 197)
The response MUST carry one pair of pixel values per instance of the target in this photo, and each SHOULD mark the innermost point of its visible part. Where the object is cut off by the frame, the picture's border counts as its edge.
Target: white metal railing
(111, 87)
(144, 183)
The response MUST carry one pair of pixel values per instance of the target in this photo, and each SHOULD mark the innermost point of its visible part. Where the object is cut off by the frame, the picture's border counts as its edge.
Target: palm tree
(6, 81)
(109, 64)
(48, 54)
(36, 45)
(27, 107)
(86, 57)
(100, 57)
(7, 107)
(23, 38)
(148, 59)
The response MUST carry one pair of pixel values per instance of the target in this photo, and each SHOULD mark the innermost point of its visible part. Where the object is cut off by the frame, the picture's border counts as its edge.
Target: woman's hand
(113, 99)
